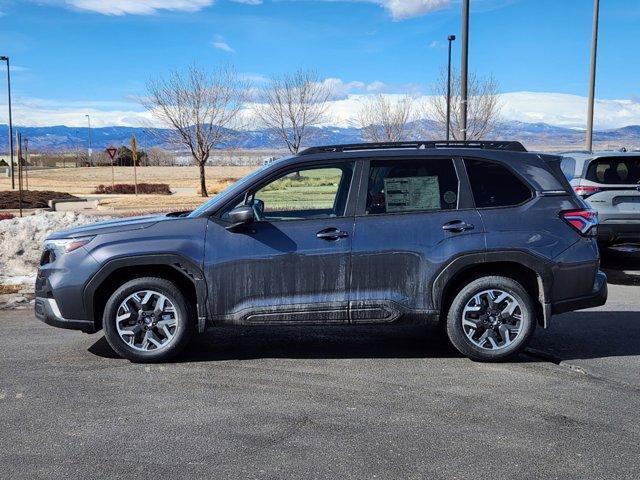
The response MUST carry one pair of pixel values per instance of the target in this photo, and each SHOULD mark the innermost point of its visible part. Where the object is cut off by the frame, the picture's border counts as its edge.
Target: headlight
(66, 245)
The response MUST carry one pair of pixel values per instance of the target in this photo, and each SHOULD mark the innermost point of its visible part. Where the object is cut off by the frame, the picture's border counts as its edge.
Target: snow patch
(21, 241)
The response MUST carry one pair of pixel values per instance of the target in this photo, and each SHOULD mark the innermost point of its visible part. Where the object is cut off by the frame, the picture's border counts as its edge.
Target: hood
(110, 226)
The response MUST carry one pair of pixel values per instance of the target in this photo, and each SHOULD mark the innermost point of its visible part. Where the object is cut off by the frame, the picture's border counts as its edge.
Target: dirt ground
(184, 181)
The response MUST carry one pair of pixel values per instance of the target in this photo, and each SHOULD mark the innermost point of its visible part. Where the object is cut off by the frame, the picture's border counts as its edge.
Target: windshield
(615, 170)
(239, 185)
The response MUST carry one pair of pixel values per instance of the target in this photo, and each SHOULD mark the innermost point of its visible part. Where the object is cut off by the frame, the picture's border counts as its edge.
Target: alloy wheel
(492, 319)
(147, 320)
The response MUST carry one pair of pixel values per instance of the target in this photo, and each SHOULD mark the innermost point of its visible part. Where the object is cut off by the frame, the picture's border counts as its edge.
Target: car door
(292, 263)
(414, 215)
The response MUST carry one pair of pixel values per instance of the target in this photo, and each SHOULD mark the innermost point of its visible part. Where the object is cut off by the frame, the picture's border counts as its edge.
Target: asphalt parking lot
(329, 402)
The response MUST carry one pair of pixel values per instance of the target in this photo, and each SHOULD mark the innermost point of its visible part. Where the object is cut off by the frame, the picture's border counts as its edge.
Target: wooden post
(26, 163)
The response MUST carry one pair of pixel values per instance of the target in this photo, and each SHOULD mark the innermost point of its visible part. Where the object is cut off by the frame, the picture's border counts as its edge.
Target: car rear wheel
(148, 320)
(491, 319)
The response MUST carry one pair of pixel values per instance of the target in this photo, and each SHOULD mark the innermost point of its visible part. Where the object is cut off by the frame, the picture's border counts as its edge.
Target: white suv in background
(610, 183)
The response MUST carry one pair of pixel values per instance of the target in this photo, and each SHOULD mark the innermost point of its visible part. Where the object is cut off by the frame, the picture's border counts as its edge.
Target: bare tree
(483, 106)
(160, 157)
(200, 107)
(291, 104)
(383, 119)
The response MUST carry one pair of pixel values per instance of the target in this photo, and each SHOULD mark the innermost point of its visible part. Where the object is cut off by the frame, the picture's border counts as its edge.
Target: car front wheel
(148, 320)
(491, 319)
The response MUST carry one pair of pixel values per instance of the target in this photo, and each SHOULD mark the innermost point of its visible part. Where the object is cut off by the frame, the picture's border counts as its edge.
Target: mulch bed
(31, 199)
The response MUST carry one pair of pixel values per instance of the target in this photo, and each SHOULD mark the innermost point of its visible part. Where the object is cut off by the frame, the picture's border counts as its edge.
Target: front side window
(493, 185)
(415, 185)
(304, 194)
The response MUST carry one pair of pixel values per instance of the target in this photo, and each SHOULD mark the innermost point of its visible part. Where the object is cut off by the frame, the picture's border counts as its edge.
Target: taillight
(585, 190)
(583, 221)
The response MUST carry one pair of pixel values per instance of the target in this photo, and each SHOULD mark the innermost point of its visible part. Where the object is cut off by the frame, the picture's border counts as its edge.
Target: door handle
(331, 234)
(457, 226)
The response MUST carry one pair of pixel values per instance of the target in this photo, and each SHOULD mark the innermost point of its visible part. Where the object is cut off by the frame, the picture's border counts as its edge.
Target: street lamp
(89, 149)
(451, 38)
(592, 79)
(464, 68)
(13, 181)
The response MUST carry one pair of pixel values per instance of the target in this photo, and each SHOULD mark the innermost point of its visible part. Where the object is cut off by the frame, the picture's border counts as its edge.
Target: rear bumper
(618, 232)
(597, 297)
(47, 310)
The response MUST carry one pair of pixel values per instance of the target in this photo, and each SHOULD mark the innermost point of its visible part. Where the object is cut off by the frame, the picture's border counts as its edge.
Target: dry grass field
(184, 181)
(84, 180)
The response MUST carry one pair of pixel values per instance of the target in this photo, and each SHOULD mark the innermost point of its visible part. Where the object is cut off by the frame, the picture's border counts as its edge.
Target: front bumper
(618, 232)
(46, 309)
(597, 297)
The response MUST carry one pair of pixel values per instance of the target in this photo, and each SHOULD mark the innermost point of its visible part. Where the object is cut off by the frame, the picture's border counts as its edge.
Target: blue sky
(98, 54)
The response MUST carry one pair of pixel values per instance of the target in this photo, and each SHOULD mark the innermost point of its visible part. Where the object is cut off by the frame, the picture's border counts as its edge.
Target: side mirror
(241, 216)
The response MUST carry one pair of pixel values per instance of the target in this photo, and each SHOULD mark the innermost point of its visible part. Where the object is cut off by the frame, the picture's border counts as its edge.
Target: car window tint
(411, 186)
(306, 193)
(615, 170)
(493, 185)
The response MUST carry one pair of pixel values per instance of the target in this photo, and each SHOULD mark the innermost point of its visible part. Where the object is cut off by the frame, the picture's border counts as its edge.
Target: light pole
(592, 80)
(89, 149)
(13, 180)
(464, 67)
(451, 38)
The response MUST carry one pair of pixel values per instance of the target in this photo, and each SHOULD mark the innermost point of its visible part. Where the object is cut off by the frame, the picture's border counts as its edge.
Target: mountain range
(535, 136)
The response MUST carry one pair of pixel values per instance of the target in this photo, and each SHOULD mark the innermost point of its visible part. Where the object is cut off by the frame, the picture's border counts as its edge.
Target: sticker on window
(450, 197)
(412, 193)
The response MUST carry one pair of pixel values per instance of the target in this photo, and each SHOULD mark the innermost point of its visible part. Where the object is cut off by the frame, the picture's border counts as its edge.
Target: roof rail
(480, 144)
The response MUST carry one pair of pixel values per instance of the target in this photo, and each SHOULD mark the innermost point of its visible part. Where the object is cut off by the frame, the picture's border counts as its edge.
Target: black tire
(184, 329)
(457, 334)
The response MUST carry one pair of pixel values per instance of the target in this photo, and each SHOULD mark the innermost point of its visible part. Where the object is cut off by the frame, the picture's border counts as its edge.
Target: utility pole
(451, 38)
(592, 80)
(13, 178)
(464, 67)
(89, 149)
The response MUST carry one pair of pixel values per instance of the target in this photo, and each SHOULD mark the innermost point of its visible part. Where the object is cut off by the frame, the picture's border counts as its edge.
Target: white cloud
(248, 2)
(224, 46)
(434, 44)
(552, 108)
(566, 110)
(221, 44)
(137, 7)
(557, 109)
(402, 9)
(38, 112)
(376, 86)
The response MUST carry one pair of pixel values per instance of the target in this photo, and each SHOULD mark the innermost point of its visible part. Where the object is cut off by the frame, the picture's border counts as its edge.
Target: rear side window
(493, 185)
(615, 170)
(568, 167)
(416, 185)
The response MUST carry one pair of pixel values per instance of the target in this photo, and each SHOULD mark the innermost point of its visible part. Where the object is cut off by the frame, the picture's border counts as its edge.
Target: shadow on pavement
(591, 334)
(330, 342)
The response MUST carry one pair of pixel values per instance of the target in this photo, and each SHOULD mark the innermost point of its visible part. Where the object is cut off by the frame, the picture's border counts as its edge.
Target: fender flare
(540, 266)
(185, 267)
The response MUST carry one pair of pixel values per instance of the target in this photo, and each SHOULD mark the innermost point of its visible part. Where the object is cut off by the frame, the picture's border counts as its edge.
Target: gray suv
(482, 238)
(610, 184)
